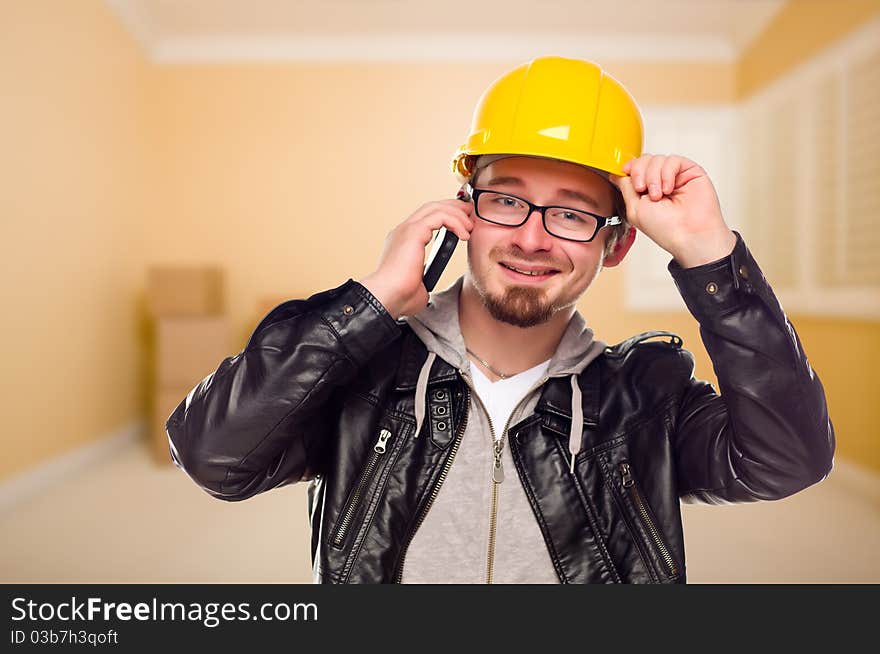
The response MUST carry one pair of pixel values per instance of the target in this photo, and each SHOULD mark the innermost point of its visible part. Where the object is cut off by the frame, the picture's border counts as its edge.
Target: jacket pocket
(360, 488)
(643, 514)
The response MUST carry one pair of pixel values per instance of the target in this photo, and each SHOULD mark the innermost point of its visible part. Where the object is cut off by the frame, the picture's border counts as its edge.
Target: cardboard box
(185, 291)
(165, 400)
(190, 348)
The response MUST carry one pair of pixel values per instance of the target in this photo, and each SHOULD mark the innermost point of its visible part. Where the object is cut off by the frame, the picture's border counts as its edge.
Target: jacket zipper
(630, 484)
(366, 475)
(440, 480)
(498, 476)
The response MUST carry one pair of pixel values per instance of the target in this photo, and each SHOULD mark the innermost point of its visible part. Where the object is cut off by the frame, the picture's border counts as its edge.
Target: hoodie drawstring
(575, 433)
(422, 391)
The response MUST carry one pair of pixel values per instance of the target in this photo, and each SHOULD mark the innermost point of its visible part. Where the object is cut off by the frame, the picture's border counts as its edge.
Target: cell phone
(442, 248)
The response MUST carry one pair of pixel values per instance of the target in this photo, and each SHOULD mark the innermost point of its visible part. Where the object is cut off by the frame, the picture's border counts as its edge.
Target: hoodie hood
(437, 326)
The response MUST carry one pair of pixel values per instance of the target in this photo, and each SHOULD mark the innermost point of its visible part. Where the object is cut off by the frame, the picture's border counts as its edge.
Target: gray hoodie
(452, 544)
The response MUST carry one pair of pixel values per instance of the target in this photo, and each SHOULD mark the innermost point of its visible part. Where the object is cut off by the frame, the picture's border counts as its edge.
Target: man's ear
(620, 249)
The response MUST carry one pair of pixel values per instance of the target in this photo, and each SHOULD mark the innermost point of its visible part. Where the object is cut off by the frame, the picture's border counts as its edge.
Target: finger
(457, 207)
(466, 209)
(627, 166)
(668, 173)
(630, 197)
(451, 221)
(688, 171)
(421, 212)
(652, 177)
(637, 172)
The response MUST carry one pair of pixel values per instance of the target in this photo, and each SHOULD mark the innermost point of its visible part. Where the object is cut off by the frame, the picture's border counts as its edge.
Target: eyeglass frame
(601, 221)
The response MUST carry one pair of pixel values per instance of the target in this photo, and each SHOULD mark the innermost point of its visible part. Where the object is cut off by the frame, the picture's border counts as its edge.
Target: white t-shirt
(502, 396)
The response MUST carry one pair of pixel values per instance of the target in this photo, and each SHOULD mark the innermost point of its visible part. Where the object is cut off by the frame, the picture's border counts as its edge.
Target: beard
(521, 306)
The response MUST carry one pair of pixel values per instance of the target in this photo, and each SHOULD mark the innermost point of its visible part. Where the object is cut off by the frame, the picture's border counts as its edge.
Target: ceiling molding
(136, 21)
(438, 47)
(396, 47)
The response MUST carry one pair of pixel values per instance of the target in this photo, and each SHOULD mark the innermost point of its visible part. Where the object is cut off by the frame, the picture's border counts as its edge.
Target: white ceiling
(448, 29)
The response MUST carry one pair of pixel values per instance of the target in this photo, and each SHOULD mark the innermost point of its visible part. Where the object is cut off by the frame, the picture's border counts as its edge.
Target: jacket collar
(555, 394)
(412, 356)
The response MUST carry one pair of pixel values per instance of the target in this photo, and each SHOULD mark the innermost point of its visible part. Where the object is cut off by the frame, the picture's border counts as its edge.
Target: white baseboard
(30, 482)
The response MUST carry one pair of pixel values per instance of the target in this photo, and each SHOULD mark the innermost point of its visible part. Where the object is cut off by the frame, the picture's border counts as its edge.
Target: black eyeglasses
(561, 222)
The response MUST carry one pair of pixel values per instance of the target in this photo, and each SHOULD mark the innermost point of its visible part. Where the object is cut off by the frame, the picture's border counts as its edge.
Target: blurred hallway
(240, 137)
(129, 520)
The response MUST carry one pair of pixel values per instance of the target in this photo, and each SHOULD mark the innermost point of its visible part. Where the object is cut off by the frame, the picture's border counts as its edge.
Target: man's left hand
(673, 202)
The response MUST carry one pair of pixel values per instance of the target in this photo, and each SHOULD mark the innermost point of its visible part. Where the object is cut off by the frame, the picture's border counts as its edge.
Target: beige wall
(845, 353)
(289, 175)
(800, 30)
(76, 171)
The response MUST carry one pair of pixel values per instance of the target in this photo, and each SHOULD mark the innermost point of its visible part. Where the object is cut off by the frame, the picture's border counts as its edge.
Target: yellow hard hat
(566, 109)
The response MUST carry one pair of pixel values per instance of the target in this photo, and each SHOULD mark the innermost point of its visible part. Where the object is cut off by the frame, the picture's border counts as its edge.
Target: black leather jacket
(324, 389)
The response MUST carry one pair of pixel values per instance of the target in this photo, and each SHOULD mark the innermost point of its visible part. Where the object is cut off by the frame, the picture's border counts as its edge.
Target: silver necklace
(486, 363)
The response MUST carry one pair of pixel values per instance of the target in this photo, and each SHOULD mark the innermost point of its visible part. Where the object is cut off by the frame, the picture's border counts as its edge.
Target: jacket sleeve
(768, 434)
(261, 420)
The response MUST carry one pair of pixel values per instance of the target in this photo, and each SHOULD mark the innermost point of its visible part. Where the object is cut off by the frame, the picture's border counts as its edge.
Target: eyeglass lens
(561, 221)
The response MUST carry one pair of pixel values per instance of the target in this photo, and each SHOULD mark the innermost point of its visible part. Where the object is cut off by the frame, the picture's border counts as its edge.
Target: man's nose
(531, 235)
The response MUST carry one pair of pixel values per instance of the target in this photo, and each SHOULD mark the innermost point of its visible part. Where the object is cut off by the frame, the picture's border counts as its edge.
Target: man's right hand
(397, 281)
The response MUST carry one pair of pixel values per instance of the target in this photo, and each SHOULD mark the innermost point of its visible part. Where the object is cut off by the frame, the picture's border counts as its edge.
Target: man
(482, 434)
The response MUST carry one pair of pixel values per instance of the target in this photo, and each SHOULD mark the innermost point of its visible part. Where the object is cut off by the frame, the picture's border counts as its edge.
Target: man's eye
(570, 216)
(507, 202)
